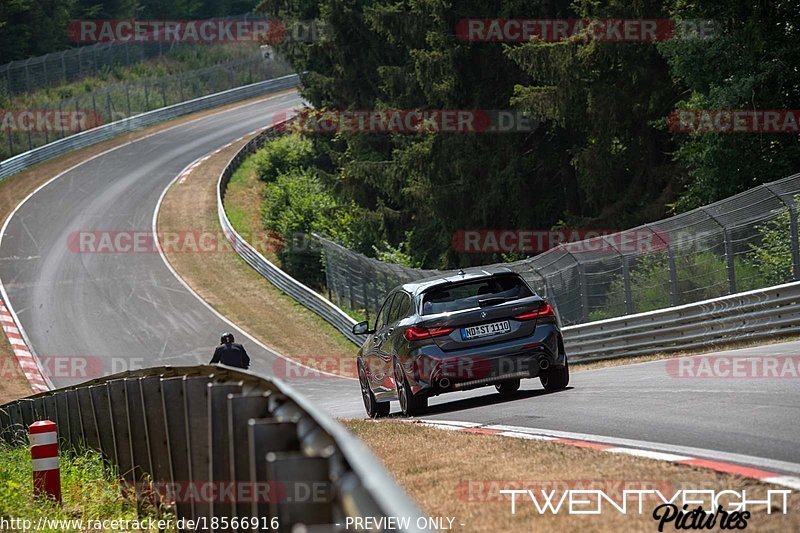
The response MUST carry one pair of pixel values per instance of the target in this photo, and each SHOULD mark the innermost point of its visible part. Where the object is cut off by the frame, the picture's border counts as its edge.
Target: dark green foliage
(603, 157)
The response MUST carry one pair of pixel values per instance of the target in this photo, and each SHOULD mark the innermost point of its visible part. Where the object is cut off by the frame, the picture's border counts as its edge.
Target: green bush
(295, 205)
(772, 257)
(283, 154)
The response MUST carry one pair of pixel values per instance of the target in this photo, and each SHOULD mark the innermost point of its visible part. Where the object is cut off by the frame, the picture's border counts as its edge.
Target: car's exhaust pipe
(544, 364)
(444, 383)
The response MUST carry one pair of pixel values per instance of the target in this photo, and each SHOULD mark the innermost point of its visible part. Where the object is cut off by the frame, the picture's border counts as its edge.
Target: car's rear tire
(410, 405)
(508, 387)
(555, 378)
(374, 408)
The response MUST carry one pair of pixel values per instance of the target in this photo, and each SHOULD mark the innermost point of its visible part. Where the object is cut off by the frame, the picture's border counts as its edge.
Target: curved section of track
(130, 307)
(119, 310)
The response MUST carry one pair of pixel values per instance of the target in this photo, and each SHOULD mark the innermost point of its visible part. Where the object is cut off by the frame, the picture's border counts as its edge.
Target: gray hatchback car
(458, 332)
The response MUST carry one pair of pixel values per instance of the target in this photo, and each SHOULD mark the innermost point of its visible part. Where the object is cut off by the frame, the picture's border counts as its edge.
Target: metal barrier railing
(87, 138)
(205, 428)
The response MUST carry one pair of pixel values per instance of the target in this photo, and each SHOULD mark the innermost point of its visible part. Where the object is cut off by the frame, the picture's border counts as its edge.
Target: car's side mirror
(362, 328)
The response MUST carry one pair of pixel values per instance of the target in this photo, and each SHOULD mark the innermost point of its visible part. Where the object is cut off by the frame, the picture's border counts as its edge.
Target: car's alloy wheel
(409, 404)
(555, 378)
(508, 387)
(374, 408)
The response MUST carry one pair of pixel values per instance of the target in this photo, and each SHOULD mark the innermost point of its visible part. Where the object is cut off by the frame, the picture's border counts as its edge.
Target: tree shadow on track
(492, 398)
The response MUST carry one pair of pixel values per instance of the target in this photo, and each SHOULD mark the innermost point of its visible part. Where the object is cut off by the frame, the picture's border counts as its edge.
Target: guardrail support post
(118, 405)
(62, 420)
(196, 408)
(154, 420)
(219, 443)
(241, 409)
(50, 408)
(177, 438)
(75, 429)
(102, 413)
(88, 420)
(263, 436)
(26, 410)
(140, 451)
(306, 491)
(38, 409)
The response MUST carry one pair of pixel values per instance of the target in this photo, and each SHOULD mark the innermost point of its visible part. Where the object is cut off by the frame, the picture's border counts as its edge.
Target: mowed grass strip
(456, 474)
(232, 287)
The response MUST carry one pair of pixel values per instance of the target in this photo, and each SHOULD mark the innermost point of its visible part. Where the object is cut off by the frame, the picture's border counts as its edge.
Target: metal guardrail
(198, 429)
(22, 161)
(283, 281)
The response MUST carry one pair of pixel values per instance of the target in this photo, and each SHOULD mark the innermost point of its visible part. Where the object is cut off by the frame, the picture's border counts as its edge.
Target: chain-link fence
(57, 68)
(745, 242)
(125, 99)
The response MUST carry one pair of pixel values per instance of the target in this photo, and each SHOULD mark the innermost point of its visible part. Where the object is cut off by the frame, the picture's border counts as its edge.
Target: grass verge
(90, 492)
(459, 475)
(233, 288)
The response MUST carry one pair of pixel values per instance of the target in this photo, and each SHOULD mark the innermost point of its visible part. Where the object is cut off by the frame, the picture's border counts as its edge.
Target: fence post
(626, 282)
(729, 261)
(795, 247)
(673, 277)
(364, 270)
(27, 76)
(795, 240)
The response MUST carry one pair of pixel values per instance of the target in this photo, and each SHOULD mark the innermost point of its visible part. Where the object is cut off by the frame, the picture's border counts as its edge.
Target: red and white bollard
(43, 437)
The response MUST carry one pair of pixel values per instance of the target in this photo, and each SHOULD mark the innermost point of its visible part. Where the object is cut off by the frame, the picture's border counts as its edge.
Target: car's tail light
(417, 333)
(544, 311)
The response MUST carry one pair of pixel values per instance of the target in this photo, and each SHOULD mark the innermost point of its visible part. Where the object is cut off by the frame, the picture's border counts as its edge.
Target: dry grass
(237, 291)
(458, 474)
(15, 188)
(659, 356)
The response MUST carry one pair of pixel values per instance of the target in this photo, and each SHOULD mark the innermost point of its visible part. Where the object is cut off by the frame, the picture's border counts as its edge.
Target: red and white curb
(24, 356)
(197, 162)
(518, 432)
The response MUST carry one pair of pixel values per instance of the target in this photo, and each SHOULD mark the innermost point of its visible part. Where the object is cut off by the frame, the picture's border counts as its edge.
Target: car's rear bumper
(434, 372)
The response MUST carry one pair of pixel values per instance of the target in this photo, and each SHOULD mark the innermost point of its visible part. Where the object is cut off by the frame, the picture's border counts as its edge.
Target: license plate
(485, 330)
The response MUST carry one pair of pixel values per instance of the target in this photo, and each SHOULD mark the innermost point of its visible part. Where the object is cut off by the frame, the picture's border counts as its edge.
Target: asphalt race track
(130, 307)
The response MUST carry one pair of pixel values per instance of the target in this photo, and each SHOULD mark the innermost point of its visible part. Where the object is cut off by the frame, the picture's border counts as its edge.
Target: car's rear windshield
(468, 295)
